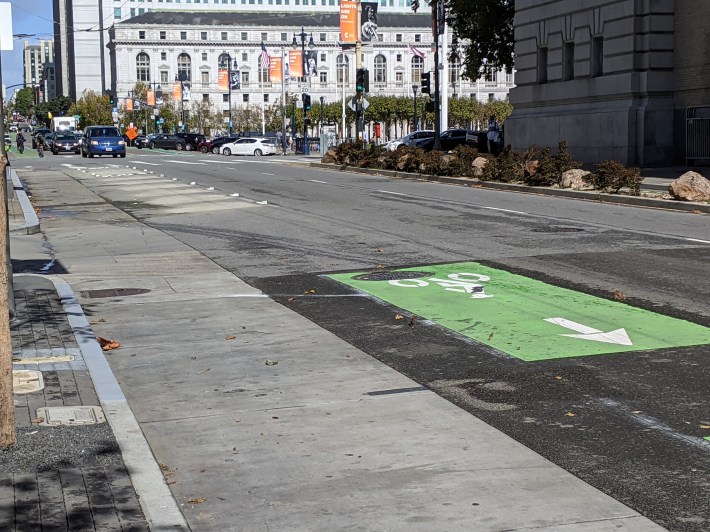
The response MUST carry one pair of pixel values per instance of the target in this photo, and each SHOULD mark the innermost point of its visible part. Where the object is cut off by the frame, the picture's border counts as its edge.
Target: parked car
(449, 140)
(409, 140)
(249, 146)
(214, 144)
(40, 131)
(61, 142)
(168, 142)
(192, 140)
(8, 141)
(141, 141)
(102, 140)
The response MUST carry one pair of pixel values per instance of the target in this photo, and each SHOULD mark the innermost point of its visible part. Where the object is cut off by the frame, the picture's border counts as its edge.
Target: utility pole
(437, 94)
(359, 137)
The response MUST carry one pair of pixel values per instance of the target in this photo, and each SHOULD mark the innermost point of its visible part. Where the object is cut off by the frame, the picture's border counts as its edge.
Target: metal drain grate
(391, 276)
(557, 230)
(113, 292)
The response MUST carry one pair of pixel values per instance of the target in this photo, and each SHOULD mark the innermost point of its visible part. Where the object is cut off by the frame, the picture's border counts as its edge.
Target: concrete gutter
(31, 225)
(601, 197)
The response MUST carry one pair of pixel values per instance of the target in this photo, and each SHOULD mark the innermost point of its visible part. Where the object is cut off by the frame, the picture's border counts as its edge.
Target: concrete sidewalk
(259, 419)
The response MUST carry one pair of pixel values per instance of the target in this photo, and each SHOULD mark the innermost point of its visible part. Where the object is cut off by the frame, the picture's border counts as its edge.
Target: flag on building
(264, 56)
(416, 51)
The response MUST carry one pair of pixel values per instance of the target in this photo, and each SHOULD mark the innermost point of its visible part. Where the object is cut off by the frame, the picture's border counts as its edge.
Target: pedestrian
(20, 141)
(493, 137)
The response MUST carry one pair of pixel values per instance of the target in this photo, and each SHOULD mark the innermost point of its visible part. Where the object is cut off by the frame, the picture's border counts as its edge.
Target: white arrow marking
(619, 336)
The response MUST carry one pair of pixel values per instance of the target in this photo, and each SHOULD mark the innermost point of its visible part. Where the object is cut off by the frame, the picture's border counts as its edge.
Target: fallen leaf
(490, 336)
(570, 414)
(705, 426)
(229, 337)
(309, 292)
(558, 377)
(380, 266)
(197, 500)
(108, 345)
(619, 295)
(102, 320)
(37, 420)
(399, 317)
(271, 362)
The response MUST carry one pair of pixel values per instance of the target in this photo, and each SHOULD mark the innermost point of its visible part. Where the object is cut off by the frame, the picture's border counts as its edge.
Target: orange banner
(276, 69)
(177, 91)
(129, 104)
(348, 22)
(150, 98)
(223, 79)
(295, 64)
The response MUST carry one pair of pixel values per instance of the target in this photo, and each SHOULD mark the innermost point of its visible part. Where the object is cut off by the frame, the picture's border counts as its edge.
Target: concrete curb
(157, 502)
(600, 197)
(31, 225)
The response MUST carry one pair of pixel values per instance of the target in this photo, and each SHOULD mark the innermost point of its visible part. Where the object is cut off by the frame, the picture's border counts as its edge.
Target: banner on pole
(177, 91)
(222, 79)
(348, 22)
(276, 69)
(150, 98)
(369, 22)
(129, 104)
(295, 64)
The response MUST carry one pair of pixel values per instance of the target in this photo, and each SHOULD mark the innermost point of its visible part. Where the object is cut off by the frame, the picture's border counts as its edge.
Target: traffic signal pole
(437, 102)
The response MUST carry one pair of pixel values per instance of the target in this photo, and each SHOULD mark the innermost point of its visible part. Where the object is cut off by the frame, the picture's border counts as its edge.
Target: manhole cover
(26, 381)
(391, 276)
(70, 415)
(557, 230)
(113, 292)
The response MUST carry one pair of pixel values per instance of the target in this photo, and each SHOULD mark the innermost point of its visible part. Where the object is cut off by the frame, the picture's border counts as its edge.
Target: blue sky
(28, 16)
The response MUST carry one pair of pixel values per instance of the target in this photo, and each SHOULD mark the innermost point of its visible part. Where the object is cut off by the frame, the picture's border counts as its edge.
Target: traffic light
(362, 80)
(426, 83)
(111, 98)
(307, 102)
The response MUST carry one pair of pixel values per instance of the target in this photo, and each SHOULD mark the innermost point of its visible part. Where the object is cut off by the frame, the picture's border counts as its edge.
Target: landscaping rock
(402, 163)
(479, 164)
(575, 179)
(531, 167)
(691, 186)
(448, 159)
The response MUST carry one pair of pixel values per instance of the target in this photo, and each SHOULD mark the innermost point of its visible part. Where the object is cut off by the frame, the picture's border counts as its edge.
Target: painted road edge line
(505, 210)
(390, 192)
(698, 240)
(316, 181)
(156, 500)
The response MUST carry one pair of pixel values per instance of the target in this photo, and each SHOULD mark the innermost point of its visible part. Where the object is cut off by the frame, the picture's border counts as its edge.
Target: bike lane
(522, 317)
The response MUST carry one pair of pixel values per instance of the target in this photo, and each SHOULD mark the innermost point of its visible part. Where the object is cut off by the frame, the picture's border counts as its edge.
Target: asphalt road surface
(632, 420)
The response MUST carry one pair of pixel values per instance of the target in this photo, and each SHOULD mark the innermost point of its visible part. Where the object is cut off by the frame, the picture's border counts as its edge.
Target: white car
(409, 140)
(249, 146)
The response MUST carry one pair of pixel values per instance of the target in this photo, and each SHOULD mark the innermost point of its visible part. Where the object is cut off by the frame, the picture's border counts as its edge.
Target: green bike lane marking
(526, 318)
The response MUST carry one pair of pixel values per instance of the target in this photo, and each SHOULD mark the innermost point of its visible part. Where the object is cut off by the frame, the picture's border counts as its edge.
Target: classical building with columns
(158, 47)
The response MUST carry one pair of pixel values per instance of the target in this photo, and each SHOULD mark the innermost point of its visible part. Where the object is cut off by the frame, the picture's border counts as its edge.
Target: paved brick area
(59, 478)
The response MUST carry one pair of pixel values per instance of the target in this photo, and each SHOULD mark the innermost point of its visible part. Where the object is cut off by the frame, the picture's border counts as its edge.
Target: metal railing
(697, 134)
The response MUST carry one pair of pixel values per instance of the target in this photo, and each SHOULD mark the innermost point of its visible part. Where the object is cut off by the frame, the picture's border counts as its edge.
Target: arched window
(184, 68)
(343, 69)
(380, 70)
(417, 67)
(454, 72)
(223, 61)
(143, 67)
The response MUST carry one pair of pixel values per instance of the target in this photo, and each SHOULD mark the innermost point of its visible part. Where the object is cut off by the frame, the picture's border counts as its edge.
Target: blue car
(102, 140)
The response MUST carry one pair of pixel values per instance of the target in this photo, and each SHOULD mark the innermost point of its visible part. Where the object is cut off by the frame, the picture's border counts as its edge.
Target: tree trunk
(8, 436)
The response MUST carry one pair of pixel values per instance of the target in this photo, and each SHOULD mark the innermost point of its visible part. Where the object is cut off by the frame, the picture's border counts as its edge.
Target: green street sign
(522, 317)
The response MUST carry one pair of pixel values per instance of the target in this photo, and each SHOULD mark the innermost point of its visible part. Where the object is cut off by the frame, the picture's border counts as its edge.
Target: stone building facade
(610, 77)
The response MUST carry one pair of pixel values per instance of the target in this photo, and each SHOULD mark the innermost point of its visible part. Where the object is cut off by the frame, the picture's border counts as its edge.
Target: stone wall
(609, 78)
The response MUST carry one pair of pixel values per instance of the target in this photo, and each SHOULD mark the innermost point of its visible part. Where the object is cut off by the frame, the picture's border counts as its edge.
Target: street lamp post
(229, 87)
(311, 45)
(322, 100)
(415, 88)
(182, 101)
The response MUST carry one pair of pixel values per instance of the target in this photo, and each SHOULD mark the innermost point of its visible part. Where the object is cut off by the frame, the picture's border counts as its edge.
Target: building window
(183, 35)
(206, 98)
(399, 79)
(265, 37)
(542, 65)
(163, 56)
(245, 98)
(417, 37)
(454, 71)
(245, 57)
(225, 98)
(163, 76)
(321, 37)
(184, 67)
(399, 58)
(398, 37)
(417, 67)
(322, 58)
(141, 34)
(205, 78)
(203, 35)
(204, 56)
(266, 98)
(223, 35)
(284, 37)
(323, 77)
(143, 67)
(223, 61)
(568, 61)
(380, 70)
(162, 35)
(244, 35)
(117, 13)
(245, 80)
(263, 74)
(343, 69)
(597, 57)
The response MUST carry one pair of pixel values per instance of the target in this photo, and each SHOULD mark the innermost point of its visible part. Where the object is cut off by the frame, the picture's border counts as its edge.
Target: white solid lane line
(316, 181)
(143, 162)
(393, 193)
(181, 162)
(504, 210)
(697, 240)
(218, 162)
(264, 173)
